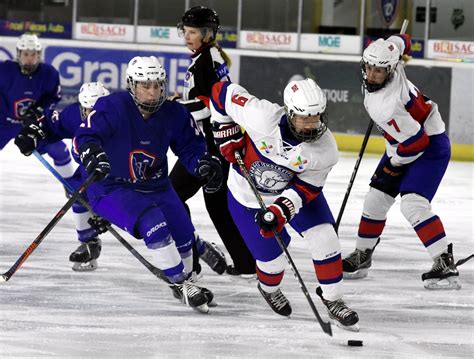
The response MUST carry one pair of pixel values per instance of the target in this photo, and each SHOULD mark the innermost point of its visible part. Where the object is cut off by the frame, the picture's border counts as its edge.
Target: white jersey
(280, 166)
(404, 115)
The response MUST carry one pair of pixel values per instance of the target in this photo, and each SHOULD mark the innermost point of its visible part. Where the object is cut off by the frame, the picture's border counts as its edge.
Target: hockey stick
(75, 195)
(156, 271)
(361, 153)
(326, 326)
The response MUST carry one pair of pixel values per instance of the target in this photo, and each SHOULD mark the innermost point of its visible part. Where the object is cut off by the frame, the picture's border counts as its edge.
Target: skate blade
(450, 283)
(359, 274)
(204, 308)
(350, 328)
(212, 304)
(85, 267)
(250, 278)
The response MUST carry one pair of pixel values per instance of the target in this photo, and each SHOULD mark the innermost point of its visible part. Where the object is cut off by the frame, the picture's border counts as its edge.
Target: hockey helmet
(28, 42)
(89, 93)
(305, 98)
(200, 17)
(382, 54)
(148, 70)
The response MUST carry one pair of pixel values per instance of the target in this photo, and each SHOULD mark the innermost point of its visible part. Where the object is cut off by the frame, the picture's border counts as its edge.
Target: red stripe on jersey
(389, 138)
(216, 91)
(370, 228)
(204, 99)
(417, 107)
(430, 230)
(328, 270)
(308, 193)
(269, 279)
(409, 148)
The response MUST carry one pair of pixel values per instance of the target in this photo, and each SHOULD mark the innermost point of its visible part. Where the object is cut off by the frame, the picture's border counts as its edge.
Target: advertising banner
(328, 43)
(104, 32)
(79, 65)
(41, 28)
(265, 40)
(448, 49)
(159, 35)
(267, 77)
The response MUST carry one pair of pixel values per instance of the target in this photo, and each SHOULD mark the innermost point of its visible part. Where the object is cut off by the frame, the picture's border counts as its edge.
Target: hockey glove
(33, 113)
(209, 170)
(229, 138)
(29, 137)
(387, 178)
(94, 159)
(275, 217)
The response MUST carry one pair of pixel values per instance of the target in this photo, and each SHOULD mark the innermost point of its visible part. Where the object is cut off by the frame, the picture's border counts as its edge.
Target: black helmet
(200, 17)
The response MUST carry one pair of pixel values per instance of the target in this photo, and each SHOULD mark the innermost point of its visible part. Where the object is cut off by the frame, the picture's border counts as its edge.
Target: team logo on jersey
(264, 147)
(388, 11)
(294, 87)
(141, 165)
(299, 163)
(20, 106)
(269, 177)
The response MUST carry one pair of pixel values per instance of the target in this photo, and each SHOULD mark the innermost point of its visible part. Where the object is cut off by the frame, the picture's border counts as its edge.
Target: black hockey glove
(33, 113)
(29, 137)
(94, 159)
(209, 170)
(387, 178)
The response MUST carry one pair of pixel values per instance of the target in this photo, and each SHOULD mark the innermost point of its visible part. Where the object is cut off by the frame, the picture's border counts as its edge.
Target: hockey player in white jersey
(413, 165)
(288, 152)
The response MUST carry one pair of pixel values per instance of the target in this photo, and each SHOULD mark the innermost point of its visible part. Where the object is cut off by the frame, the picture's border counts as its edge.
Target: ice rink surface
(122, 311)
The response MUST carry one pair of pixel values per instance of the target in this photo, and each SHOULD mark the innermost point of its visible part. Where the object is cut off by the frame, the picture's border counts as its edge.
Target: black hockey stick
(8, 274)
(359, 158)
(156, 271)
(354, 173)
(326, 326)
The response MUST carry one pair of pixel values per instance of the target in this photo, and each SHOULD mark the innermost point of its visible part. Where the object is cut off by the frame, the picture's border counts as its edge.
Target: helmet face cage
(200, 17)
(372, 87)
(146, 71)
(148, 106)
(307, 136)
(28, 42)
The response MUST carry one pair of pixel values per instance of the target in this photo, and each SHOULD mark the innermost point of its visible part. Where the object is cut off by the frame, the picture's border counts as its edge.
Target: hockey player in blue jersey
(59, 126)
(28, 88)
(124, 141)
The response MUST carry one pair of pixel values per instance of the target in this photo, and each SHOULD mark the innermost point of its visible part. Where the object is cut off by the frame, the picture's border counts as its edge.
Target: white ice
(123, 311)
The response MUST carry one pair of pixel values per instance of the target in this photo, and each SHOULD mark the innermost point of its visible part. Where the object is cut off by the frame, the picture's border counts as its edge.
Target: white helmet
(89, 93)
(380, 53)
(143, 69)
(28, 42)
(305, 98)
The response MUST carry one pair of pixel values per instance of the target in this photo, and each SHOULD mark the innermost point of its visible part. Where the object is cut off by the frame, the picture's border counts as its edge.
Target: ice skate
(340, 313)
(443, 274)
(277, 301)
(234, 273)
(356, 265)
(192, 295)
(85, 256)
(212, 255)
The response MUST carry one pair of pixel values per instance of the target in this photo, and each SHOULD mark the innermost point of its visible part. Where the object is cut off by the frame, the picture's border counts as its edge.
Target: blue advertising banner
(227, 38)
(79, 65)
(41, 28)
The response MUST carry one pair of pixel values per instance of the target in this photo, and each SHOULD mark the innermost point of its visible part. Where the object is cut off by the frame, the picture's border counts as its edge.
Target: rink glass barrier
(265, 74)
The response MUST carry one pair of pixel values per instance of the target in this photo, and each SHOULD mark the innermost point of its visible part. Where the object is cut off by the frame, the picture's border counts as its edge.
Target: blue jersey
(136, 147)
(18, 91)
(64, 124)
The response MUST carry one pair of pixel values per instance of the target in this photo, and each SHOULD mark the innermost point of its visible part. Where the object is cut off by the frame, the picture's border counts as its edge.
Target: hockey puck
(355, 343)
